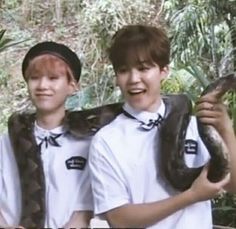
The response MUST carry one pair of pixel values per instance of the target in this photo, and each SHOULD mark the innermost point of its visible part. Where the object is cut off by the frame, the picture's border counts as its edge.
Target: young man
(128, 186)
(44, 179)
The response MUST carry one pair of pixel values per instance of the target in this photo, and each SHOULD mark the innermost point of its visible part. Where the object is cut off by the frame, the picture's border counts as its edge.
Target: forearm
(230, 140)
(4, 224)
(212, 112)
(79, 219)
(144, 215)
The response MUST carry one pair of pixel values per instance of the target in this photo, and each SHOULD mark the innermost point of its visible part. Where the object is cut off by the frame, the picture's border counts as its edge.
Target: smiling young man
(44, 179)
(128, 189)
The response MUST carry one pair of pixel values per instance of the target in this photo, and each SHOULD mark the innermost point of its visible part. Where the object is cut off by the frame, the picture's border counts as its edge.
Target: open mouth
(42, 95)
(136, 91)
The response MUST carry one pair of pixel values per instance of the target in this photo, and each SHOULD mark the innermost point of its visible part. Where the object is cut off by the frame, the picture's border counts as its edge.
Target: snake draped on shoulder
(27, 154)
(87, 123)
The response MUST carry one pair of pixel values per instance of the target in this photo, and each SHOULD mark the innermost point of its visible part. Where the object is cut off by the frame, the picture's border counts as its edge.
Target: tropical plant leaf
(199, 75)
(7, 45)
(2, 32)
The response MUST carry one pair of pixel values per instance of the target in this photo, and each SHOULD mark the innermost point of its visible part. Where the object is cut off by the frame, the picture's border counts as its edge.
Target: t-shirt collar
(41, 133)
(145, 116)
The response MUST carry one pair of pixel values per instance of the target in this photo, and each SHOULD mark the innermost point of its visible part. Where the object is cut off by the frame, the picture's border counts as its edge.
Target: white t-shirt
(123, 169)
(66, 172)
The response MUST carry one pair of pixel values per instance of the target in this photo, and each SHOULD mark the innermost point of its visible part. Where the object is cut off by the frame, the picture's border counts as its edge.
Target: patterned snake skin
(87, 123)
(174, 169)
(20, 126)
(27, 155)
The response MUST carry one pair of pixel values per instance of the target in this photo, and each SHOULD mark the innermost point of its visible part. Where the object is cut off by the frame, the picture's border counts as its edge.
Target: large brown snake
(172, 141)
(87, 122)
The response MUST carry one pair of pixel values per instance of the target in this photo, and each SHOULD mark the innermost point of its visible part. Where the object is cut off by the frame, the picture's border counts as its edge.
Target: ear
(165, 72)
(73, 87)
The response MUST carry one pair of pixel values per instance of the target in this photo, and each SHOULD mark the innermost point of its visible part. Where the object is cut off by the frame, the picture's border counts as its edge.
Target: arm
(3, 223)
(79, 219)
(219, 118)
(112, 199)
(5, 149)
(144, 215)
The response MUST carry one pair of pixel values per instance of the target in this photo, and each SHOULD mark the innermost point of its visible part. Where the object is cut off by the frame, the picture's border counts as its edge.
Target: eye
(122, 70)
(33, 77)
(143, 68)
(54, 77)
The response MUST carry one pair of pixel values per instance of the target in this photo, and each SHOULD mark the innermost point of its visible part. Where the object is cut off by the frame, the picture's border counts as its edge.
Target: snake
(87, 122)
(172, 141)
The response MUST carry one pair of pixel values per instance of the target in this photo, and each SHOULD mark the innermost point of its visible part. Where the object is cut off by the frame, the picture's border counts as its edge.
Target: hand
(212, 111)
(202, 189)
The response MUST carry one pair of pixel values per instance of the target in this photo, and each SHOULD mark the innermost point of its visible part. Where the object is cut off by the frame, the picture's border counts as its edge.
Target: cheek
(117, 81)
(29, 87)
(120, 81)
(71, 91)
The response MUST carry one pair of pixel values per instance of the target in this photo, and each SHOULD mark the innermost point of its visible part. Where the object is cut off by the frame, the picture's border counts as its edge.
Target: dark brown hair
(133, 44)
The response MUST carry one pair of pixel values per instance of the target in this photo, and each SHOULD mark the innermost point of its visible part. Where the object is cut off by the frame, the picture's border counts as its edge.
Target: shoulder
(6, 150)
(106, 139)
(4, 140)
(112, 129)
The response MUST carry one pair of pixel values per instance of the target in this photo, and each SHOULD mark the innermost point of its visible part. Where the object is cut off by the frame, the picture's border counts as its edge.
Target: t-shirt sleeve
(1, 168)
(108, 183)
(1, 161)
(10, 199)
(196, 153)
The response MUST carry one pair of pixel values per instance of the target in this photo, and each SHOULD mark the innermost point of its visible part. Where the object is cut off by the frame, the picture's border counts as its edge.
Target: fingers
(210, 112)
(213, 96)
(210, 106)
(204, 171)
(221, 183)
(205, 106)
(224, 181)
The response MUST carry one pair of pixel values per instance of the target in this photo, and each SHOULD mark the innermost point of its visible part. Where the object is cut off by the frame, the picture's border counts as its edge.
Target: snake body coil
(88, 122)
(173, 132)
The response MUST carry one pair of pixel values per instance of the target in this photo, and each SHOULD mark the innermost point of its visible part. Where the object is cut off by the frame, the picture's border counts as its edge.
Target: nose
(134, 76)
(42, 83)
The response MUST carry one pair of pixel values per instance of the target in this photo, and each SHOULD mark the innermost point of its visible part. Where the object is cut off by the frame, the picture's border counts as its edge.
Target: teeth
(136, 91)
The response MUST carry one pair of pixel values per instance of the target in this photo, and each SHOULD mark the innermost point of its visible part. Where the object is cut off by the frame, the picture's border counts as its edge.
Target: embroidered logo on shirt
(76, 163)
(190, 146)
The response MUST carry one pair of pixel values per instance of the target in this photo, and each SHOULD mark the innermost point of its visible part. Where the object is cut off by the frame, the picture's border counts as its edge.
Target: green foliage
(182, 81)
(202, 33)
(203, 44)
(232, 107)
(6, 42)
(3, 41)
(99, 20)
(203, 47)
(224, 209)
(86, 26)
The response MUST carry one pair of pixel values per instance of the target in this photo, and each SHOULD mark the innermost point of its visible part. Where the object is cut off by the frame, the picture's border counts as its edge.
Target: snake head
(222, 85)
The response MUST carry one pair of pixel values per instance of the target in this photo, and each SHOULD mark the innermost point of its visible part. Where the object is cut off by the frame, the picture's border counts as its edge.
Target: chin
(138, 107)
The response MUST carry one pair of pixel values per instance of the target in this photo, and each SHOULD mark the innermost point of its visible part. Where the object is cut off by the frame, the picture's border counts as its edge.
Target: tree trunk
(58, 11)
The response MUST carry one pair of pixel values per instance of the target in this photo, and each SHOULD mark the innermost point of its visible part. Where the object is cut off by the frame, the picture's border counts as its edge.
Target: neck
(153, 108)
(50, 121)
